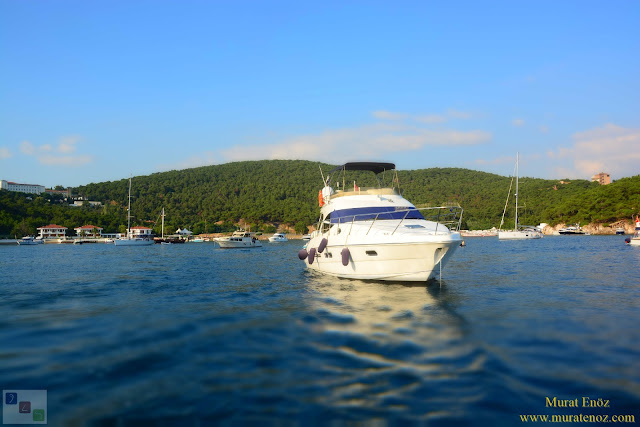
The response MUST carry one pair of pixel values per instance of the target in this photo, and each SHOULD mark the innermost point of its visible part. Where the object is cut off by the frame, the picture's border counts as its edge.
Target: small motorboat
(30, 240)
(239, 239)
(278, 237)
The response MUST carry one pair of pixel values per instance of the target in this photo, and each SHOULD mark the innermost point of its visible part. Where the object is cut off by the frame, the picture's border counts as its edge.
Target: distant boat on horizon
(572, 230)
(239, 239)
(519, 232)
(132, 239)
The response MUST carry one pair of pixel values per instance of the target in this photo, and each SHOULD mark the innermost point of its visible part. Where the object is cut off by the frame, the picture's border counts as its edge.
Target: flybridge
(375, 167)
(365, 166)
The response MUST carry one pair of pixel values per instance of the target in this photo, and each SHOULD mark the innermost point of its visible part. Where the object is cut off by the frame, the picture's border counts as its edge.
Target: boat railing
(376, 191)
(449, 216)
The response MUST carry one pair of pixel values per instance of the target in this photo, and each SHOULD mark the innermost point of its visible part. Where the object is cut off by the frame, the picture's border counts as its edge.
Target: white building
(89, 231)
(52, 231)
(140, 231)
(79, 203)
(22, 188)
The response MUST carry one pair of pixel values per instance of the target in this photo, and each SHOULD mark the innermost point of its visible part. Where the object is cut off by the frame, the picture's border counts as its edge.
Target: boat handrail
(448, 215)
(374, 191)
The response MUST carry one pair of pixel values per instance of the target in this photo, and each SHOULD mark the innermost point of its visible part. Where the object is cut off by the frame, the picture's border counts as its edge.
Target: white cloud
(59, 155)
(27, 148)
(433, 118)
(203, 159)
(370, 141)
(518, 122)
(388, 115)
(68, 144)
(394, 132)
(454, 114)
(57, 160)
(610, 148)
(423, 118)
(4, 153)
(496, 161)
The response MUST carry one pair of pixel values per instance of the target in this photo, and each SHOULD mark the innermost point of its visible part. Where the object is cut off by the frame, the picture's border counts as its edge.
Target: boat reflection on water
(384, 308)
(386, 343)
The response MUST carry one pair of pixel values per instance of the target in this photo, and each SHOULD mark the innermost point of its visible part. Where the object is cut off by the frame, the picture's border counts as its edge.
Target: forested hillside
(272, 192)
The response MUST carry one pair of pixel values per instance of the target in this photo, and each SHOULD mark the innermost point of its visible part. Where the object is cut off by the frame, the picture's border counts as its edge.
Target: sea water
(193, 334)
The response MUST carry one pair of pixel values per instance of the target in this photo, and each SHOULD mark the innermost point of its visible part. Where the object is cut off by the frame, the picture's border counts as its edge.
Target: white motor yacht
(571, 230)
(30, 240)
(239, 239)
(278, 237)
(635, 239)
(375, 233)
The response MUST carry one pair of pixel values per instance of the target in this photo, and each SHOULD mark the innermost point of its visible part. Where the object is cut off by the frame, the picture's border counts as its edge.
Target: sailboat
(519, 232)
(167, 240)
(134, 239)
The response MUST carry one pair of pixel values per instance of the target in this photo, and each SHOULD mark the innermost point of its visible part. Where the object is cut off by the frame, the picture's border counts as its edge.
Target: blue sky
(96, 91)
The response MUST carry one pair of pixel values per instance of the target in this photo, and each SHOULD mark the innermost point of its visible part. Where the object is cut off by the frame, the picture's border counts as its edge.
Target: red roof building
(52, 231)
(140, 231)
(89, 231)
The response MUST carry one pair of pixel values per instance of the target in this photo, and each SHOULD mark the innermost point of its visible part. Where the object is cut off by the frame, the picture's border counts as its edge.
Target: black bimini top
(365, 166)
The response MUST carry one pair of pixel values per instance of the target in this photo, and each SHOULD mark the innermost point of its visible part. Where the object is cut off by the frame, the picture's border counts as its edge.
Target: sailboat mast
(163, 223)
(129, 211)
(517, 176)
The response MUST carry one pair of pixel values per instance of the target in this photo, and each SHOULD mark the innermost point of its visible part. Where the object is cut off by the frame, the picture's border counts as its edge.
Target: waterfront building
(140, 231)
(90, 231)
(52, 231)
(22, 188)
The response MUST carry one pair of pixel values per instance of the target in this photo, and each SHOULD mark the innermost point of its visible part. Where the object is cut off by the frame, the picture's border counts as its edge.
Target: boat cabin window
(375, 212)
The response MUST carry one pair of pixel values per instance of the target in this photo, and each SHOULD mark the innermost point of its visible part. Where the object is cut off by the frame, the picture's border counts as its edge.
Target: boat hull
(133, 242)
(235, 244)
(519, 235)
(414, 261)
(635, 241)
(25, 241)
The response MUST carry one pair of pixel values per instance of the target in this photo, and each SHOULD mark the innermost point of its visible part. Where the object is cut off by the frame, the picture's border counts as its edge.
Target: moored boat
(519, 232)
(375, 233)
(30, 240)
(239, 239)
(635, 239)
(278, 237)
(572, 230)
(138, 236)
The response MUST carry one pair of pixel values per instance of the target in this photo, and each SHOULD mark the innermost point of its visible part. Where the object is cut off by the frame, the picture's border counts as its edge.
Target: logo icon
(24, 406)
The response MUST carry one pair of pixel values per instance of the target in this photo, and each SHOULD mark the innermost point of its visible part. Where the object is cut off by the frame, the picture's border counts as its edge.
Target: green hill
(214, 198)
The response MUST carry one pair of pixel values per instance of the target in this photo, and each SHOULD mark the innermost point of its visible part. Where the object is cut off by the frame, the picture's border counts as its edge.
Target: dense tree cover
(268, 193)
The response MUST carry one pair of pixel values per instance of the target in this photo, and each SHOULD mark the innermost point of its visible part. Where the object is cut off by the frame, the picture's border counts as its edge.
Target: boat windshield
(374, 212)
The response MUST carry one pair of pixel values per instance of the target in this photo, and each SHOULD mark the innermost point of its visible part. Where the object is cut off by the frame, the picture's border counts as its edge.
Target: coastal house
(89, 230)
(52, 231)
(140, 231)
